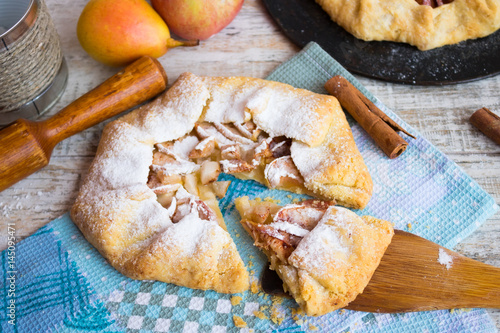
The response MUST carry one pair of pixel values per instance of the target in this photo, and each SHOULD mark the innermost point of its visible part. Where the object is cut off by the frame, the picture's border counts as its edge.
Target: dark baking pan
(304, 21)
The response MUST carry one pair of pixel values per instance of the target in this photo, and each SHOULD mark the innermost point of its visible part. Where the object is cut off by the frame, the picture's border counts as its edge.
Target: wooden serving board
(414, 275)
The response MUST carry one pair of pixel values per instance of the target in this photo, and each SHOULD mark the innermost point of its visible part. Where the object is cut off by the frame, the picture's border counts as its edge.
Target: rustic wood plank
(252, 45)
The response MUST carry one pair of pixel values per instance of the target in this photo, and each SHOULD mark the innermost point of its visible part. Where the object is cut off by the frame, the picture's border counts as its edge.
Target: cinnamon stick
(376, 123)
(488, 123)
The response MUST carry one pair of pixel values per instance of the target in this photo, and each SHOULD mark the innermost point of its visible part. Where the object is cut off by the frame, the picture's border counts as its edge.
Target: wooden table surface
(253, 45)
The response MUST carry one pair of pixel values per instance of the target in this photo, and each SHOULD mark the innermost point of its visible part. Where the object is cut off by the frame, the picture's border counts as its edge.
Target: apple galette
(325, 255)
(426, 24)
(149, 202)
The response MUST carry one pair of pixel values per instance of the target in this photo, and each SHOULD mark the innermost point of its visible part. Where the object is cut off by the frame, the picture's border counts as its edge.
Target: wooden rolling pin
(26, 146)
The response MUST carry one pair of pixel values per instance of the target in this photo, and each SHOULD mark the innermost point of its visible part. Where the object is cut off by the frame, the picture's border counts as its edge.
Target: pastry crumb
(260, 315)
(313, 328)
(269, 199)
(277, 300)
(409, 226)
(235, 300)
(297, 312)
(277, 313)
(238, 322)
(254, 287)
(296, 316)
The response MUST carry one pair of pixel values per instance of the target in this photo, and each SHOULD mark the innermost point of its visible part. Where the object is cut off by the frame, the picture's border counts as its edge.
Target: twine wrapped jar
(33, 72)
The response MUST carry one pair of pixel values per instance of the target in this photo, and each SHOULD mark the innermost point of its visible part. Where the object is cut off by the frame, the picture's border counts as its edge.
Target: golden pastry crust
(335, 169)
(146, 203)
(325, 263)
(419, 25)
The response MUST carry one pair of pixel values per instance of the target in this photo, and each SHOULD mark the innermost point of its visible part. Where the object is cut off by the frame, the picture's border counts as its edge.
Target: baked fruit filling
(195, 161)
(325, 255)
(278, 230)
(433, 3)
(149, 201)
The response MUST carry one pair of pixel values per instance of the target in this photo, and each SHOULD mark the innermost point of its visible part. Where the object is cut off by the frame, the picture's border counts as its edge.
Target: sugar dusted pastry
(149, 202)
(416, 22)
(324, 254)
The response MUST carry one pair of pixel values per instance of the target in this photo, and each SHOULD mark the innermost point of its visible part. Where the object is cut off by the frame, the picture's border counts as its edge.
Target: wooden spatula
(26, 146)
(418, 275)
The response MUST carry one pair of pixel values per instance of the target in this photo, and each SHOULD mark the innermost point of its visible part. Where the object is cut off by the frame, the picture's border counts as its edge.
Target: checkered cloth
(63, 284)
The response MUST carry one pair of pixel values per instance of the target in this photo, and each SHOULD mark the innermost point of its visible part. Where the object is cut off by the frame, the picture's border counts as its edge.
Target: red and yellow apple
(197, 19)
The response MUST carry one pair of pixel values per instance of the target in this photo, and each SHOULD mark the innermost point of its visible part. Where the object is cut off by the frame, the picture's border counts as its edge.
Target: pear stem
(171, 43)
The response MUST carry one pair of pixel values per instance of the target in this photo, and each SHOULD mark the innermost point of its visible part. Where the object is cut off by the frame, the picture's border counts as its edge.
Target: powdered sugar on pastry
(187, 233)
(120, 151)
(335, 168)
(180, 167)
(230, 98)
(323, 245)
(299, 118)
(183, 147)
(181, 105)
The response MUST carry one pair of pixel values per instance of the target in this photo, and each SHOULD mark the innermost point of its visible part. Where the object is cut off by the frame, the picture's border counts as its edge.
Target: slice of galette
(324, 254)
(149, 202)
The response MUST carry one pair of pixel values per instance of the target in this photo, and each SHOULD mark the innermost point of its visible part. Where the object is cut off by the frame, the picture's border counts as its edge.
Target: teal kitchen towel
(56, 281)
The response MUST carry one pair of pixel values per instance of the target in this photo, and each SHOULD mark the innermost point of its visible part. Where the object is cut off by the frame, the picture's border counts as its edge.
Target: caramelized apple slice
(187, 203)
(230, 152)
(209, 172)
(220, 188)
(203, 149)
(280, 146)
(235, 166)
(249, 130)
(283, 173)
(281, 234)
(232, 134)
(270, 239)
(305, 215)
(206, 130)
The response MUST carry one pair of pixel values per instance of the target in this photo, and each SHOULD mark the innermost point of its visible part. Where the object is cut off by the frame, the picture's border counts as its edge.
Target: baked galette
(149, 202)
(324, 254)
(426, 24)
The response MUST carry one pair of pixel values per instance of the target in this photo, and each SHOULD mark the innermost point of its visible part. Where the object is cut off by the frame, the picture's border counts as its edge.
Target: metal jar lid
(21, 23)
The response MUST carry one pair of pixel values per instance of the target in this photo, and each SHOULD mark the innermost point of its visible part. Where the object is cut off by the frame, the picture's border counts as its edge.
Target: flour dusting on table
(445, 258)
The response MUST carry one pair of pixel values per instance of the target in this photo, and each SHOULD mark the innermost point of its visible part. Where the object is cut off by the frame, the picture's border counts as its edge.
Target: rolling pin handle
(26, 146)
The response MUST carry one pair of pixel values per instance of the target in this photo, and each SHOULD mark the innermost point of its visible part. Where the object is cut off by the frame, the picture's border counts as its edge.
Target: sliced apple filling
(278, 230)
(195, 161)
(433, 3)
